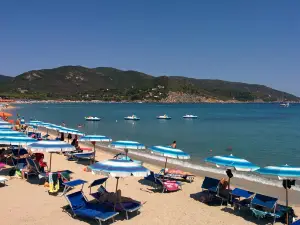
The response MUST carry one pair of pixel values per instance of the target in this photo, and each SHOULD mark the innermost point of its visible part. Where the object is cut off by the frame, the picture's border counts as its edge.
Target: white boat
(164, 117)
(187, 116)
(285, 105)
(92, 118)
(133, 117)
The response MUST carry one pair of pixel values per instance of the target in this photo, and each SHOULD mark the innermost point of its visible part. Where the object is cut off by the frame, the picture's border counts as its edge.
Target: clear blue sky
(255, 41)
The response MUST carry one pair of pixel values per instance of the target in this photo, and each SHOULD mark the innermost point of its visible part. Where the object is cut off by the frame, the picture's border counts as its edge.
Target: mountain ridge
(107, 83)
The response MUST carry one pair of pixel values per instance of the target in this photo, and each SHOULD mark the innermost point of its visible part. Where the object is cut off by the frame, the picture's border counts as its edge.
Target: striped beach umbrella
(93, 139)
(232, 162)
(22, 140)
(119, 168)
(169, 152)
(11, 133)
(70, 131)
(4, 124)
(286, 173)
(51, 146)
(127, 145)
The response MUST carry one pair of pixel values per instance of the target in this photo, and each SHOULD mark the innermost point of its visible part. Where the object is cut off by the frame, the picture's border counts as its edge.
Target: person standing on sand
(173, 145)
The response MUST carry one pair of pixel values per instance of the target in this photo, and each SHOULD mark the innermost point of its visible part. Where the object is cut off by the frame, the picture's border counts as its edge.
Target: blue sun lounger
(127, 206)
(82, 208)
(212, 186)
(237, 194)
(265, 206)
(296, 222)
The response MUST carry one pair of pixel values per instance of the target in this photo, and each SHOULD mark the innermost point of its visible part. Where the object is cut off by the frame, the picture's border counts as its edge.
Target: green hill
(104, 83)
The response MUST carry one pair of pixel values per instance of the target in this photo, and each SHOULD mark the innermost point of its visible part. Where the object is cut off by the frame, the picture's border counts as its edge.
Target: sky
(237, 40)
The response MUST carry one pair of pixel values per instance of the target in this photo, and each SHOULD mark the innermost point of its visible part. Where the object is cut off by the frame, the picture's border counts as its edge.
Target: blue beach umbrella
(11, 133)
(127, 145)
(94, 139)
(21, 140)
(119, 168)
(51, 146)
(286, 173)
(169, 152)
(230, 162)
(4, 124)
(70, 131)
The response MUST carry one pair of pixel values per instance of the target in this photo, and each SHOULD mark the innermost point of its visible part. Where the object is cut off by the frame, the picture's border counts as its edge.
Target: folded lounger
(127, 206)
(82, 208)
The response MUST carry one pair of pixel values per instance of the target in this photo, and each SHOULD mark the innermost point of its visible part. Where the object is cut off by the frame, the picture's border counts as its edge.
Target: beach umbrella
(127, 145)
(119, 168)
(5, 114)
(230, 162)
(169, 152)
(93, 139)
(70, 131)
(4, 124)
(11, 133)
(288, 174)
(51, 146)
(21, 140)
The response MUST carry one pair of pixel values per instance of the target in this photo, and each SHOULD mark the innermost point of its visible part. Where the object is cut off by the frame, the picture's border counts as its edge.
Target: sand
(25, 202)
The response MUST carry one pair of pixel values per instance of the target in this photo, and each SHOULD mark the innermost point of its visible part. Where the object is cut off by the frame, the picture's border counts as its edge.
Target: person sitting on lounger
(173, 145)
(223, 187)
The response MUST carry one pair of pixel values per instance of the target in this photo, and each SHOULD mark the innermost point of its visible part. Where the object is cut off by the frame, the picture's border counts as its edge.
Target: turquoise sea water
(265, 134)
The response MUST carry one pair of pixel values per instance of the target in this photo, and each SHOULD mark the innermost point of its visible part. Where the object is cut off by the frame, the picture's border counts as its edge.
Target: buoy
(116, 121)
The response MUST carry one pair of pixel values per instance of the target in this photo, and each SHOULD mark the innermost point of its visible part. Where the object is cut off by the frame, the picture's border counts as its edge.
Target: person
(75, 142)
(62, 137)
(173, 145)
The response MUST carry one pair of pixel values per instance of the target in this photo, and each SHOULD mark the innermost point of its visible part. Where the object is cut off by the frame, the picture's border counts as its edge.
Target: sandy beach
(28, 203)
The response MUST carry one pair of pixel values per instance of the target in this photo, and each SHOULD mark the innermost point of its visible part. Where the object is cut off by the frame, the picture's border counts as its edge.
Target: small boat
(187, 116)
(92, 118)
(133, 117)
(285, 105)
(164, 117)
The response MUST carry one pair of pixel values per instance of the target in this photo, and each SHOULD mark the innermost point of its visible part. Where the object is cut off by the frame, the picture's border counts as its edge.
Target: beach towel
(53, 183)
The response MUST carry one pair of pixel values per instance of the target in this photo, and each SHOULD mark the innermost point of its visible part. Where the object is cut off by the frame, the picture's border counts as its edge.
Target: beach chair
(212, 187)
(35, 170)
(164, 185)
(126, 206)
(122, 156)
(83, 155)
(297, 222)
(241, 198)
(176, 174)
(82, 208)
(263, 206)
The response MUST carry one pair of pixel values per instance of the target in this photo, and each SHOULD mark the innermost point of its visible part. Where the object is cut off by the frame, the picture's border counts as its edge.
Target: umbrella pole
(94, 158)
(50, 161)
(165, 168)
(116, 193)
(287, 204)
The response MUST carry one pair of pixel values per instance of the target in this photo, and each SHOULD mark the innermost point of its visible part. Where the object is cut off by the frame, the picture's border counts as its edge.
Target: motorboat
(187, 116)
(133, 117)
(164, 117)
(92, 118)
(285, 105)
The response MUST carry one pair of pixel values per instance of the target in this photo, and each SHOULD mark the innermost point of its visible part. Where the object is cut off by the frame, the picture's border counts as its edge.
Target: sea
(264, 134)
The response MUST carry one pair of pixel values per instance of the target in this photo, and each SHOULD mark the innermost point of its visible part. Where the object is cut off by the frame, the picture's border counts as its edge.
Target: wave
(242, 175)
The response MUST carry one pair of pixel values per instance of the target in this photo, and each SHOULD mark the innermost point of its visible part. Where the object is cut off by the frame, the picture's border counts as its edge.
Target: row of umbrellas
(117, 168)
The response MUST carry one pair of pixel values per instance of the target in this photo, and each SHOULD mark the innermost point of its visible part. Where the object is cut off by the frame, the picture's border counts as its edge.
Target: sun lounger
(84, 155)
(35, 170)
(212, 186)
(124, 206)
(296, 222)
(241, 198)
(265, 206)
(176, 174)
(121, 156)
(82, 208)
(165, 185)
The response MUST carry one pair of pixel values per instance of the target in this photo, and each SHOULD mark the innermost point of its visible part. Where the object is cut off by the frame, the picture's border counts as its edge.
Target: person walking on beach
(173, 145)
